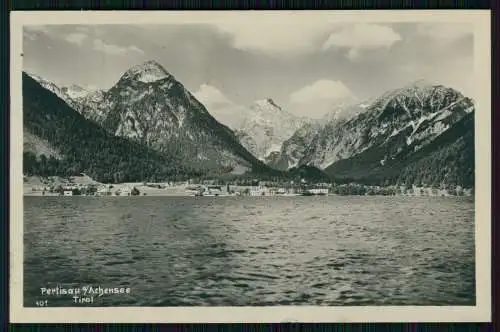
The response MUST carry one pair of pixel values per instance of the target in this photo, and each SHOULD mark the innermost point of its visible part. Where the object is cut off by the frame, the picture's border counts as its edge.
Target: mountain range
(262, 127)
(420, 133)
(387, 136)
(150, 107)
(60, 141)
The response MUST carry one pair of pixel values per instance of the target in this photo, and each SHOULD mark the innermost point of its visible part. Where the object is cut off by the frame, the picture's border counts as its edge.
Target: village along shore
(83, 185)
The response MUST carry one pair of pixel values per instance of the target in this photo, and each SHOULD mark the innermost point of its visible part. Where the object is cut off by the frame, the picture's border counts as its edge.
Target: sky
(306, 68)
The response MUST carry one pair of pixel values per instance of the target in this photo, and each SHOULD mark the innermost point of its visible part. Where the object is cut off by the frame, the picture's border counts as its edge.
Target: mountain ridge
(359, 141)
(83, 146)
(405, 119)
(61, 141)
(262, 127)
(159, 112)
(149, 105)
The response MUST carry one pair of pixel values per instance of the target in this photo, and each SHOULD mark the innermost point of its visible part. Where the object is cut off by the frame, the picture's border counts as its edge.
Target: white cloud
(210, 96)
(134, 48)
(76, 38)
(359, 37)
(220, 107)
(100, 45)
(32, 32)
(276, 35)
(82, 28)
(446, 32)
(38, 28)
(321, 90)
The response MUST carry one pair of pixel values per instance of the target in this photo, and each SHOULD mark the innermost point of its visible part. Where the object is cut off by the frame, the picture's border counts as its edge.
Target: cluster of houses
(88, 187)
(105, 190)
(270, 191)
(321, 189)
(262, 189)
(92, 190)
(70, 189)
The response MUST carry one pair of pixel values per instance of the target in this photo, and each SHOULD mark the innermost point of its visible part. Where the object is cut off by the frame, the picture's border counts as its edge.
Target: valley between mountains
(149, 127)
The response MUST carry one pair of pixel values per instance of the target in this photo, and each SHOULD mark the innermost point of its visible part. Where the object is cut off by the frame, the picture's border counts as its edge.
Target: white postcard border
(482, 65)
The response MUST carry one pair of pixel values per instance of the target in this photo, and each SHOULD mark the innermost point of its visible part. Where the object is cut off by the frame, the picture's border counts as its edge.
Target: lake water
(251, 251)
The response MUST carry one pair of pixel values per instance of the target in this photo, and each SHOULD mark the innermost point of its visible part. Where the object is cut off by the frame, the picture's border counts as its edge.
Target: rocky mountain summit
(149, 106)
(420, 132)
(394, 126)
(261, 127)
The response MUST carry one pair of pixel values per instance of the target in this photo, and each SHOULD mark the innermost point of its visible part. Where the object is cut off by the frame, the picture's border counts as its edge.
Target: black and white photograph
(251, 160)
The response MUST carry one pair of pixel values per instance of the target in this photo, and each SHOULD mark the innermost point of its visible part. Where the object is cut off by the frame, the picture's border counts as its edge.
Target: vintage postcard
(312, 166)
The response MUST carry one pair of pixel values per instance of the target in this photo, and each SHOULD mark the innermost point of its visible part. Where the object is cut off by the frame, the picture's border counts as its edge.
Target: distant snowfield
(263, 125)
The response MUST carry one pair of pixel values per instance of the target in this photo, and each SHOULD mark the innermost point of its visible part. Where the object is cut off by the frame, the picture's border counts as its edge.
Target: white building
(319, 191)
(259, 191)
(103, 191)
(256, 192)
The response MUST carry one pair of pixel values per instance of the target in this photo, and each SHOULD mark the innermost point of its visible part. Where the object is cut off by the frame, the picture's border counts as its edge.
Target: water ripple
(179, 251)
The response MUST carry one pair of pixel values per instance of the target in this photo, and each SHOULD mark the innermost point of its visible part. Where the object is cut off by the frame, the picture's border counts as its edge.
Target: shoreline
(36, 186)
(39, 194)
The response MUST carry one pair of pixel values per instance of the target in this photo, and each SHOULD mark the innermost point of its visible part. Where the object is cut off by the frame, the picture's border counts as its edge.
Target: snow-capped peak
(418, 96)
(37, 78)
(147, 72)
(409, 89)
(267, 104)
(44, 82)
(265, 126)
(51, 86)
(345, 110)
(272, 103)
(67, 93)
(75, 91)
